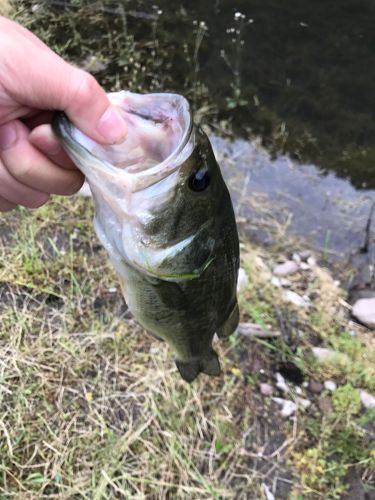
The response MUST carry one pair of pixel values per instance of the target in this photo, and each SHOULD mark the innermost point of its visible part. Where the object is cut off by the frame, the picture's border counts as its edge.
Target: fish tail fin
(189, 370)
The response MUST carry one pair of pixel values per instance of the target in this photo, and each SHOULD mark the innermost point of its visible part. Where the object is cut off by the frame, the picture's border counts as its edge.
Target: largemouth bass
(165, 217)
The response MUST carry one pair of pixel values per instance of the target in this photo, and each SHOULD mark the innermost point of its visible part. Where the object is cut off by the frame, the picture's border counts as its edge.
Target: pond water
(299, 73)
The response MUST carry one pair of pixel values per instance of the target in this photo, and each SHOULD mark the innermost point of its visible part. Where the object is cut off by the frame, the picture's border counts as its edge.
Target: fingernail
(111, 126)
(8, 136)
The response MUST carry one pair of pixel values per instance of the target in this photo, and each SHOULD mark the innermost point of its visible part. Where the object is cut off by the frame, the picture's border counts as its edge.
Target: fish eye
(199, 180)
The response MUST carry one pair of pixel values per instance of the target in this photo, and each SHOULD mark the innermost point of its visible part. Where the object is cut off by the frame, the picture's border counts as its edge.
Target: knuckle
(20, 170)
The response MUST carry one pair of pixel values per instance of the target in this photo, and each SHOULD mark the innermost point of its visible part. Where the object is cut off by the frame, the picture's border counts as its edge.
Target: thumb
(88, 107)
(36, 77)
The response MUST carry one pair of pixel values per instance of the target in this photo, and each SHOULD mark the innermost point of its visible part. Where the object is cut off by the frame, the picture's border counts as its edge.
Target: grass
(91, 407)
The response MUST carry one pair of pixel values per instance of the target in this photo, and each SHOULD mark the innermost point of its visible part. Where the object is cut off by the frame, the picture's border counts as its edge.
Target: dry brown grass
(5, 7)
(91, 407)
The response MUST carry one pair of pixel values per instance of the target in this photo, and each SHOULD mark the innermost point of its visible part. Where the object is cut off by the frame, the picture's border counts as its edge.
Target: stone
(296, 299)
(266, 389)
(367, 399)
(281, 384)
(311, 261)
(304, 266)
(330, 385)
(325, 355)
(364, 311)
(305, 255)
(315, 387)
(288, 267)
(287, 407)
(276, 282)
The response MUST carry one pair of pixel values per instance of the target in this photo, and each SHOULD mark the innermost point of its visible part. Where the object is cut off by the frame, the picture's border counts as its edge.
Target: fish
(164, 215)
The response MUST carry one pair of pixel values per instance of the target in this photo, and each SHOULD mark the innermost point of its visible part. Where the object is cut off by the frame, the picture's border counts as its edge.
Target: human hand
(34, 81)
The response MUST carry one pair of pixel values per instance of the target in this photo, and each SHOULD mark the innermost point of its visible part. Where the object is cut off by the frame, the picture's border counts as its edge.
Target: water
(299, 73)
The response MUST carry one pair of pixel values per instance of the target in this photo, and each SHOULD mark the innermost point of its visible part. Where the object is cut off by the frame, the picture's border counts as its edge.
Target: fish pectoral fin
(230, 325)
(189, 370)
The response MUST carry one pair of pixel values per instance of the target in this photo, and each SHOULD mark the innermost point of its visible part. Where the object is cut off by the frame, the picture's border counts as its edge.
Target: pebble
(305, 255)
(311, 261)
(242, 280)
(325, 355)
(280, 282)
(304, 266)
(330, 385)
(266, 389)
(288, 267)
(276, 282)
(281, 384)
(315, 387)
(297, 258)
(287, 407)
(367, 399)
(364, 311)
(296, 299)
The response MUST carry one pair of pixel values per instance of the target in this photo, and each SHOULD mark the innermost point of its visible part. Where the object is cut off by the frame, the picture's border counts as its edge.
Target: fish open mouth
(159, 127)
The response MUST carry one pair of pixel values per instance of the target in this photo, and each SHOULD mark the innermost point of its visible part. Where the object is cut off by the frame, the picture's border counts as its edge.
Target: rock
(288, 267)
(242, 280)
(296, 299)
(304, 266)
(266, 389)
(287, 407)
(330, 385)
(281, 384)
(315, 387)
(285, 283)
(367, 399)
(305, 255)
(280, 282)
(305, 403)
(324, 355)
(311, 261)
(276, 282)
(364, 311)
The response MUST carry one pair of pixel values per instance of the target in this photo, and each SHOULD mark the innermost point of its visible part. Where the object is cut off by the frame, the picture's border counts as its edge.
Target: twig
(254, 330)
